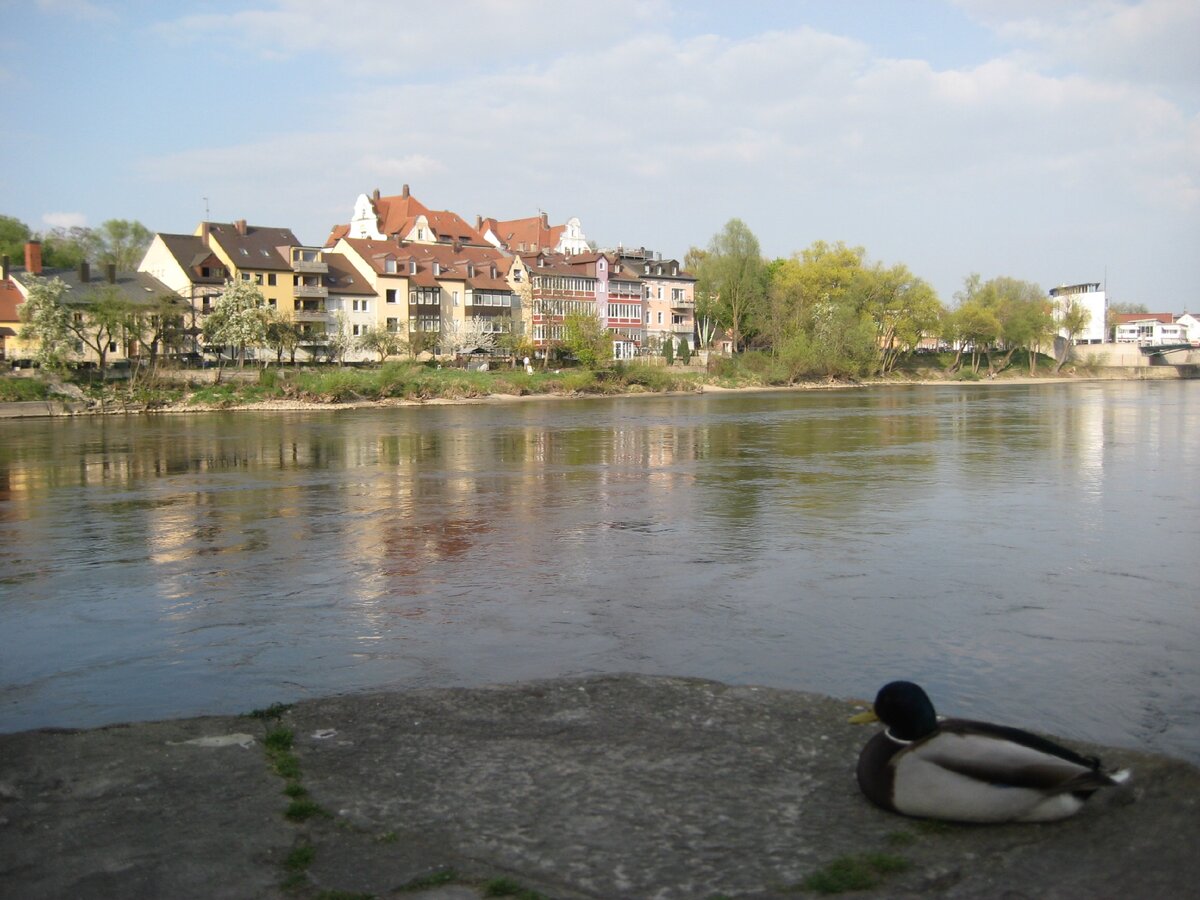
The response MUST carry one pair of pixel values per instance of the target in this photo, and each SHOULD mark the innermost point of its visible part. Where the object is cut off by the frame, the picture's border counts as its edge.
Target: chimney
(205, 230)
(240, 227)
(4, 262)
(375, 195)
(33, 257)
(479, 223)
(545, 220)
(404, 192)
(111, 271)
(85, 271)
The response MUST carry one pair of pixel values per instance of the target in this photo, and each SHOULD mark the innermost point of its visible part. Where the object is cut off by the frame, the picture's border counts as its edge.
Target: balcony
(311, 290)
(310, 315)
(683, 303)
(308, 262)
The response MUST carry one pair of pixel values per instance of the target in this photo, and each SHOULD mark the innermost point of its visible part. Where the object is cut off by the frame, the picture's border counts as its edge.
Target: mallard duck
(966, 771)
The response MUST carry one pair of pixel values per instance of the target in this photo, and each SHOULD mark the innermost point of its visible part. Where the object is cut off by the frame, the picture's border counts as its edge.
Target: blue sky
(1055, 142)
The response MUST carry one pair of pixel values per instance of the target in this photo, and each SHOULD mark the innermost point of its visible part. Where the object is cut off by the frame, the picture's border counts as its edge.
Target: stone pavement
(605, 787)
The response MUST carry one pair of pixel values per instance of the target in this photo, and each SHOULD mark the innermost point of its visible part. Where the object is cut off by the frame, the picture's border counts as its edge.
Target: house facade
(1087, 296)
(670, 297)
(1149, 329)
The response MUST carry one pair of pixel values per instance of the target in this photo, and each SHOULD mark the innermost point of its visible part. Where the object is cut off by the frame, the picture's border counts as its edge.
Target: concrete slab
(607, 787)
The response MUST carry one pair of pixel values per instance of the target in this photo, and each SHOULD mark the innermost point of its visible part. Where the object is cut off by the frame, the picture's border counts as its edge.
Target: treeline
(826, 312)
(117, 241)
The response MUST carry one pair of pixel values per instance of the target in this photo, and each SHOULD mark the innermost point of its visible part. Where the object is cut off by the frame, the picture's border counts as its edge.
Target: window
(271, 303)
(203, 271)
(244, 251)
(660, 318)
(258, 277)
(389, 266)
(393, 325)
(391, 295)
(456, 298)
(112, 346)
(245, 276)
(359, 306)
(271, 279)
(412, 267)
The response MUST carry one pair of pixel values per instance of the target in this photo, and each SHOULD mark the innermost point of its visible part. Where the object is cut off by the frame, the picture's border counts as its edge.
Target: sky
(1053, 141)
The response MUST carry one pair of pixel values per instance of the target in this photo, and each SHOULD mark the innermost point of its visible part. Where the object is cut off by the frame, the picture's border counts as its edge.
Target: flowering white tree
(338, 340)
(238, 319)
(46, 321)
(475, 333)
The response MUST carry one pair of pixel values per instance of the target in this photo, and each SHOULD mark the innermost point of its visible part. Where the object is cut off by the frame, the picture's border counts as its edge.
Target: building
(535, 235)
(1089, 297)
(438, 296)
(670, 297)
(404, 218)
(557, 285)
(1149, 329)
(83, 287)
(1191, 327)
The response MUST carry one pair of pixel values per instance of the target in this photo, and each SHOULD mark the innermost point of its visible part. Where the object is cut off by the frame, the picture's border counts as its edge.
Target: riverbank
(340, 390)
(604, 787)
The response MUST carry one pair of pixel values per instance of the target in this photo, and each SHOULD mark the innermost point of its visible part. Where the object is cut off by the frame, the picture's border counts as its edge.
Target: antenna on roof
(205, 209)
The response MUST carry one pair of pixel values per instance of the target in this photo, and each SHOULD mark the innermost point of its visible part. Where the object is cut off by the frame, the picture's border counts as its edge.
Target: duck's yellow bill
(865, 717)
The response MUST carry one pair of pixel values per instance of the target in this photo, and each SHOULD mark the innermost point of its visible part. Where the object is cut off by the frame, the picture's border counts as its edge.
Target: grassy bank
(417, 382)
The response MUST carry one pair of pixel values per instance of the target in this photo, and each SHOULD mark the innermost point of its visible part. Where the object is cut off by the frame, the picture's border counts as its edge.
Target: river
(1030, 553)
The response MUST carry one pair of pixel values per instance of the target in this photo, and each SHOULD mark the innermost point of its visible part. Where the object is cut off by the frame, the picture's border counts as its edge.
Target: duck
(960, 770)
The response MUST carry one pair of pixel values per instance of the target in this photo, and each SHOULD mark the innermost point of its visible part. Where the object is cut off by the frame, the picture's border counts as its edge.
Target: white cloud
(373, 38)
(1009, 166)
(1149, 42)
(65, 220)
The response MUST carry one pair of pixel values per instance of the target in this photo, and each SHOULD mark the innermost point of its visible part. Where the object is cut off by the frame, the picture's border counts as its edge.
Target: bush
(22, 389)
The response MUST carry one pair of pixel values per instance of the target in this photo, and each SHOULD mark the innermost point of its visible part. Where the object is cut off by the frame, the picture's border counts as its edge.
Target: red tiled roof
(1165, 318)
(527, 235)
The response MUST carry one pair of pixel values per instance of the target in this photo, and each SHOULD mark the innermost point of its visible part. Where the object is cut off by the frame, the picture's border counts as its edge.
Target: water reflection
(1021, 549)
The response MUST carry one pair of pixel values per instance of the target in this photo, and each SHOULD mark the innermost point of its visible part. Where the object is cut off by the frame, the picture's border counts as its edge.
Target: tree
(903, 308)
(14, 234)
(160, 326)
(380, 340)
(338, 338)
(100, 319)
(1019, 311)
(685, 351)
(238, 318)
(121, 242)
(731, 280)
(45, 321)
(587, 339)
(474, 333)
(283, 336)
(668, 351)
(1074, 320)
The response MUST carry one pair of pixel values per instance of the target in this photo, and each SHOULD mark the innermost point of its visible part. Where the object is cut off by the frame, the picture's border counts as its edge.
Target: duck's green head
(905, 709)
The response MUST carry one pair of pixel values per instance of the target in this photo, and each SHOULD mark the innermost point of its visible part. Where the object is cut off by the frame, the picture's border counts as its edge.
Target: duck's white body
(969, 777)
(967, 771)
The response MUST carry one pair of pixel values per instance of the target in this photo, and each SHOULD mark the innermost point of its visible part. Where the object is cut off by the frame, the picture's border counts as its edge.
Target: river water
(1029, 553)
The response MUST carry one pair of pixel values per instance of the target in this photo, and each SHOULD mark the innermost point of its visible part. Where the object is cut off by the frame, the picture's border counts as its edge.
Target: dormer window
(389, 266)
(437, 268)
(412, 267)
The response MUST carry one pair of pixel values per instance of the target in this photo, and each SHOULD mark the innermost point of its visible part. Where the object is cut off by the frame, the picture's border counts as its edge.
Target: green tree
(238, 319)
(1021, 312)
(283, 336)
(902, 307)
(731, 281)
(160, 326)
(14, 234)
(586, 338)
(379, 340)
(121, 242)
(668, 351)
(100, 320)
(685, 351)
(45, 322)
(1074, 320)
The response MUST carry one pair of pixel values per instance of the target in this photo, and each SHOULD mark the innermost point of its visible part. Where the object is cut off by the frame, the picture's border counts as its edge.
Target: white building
(1091, 298)
(1191, 327)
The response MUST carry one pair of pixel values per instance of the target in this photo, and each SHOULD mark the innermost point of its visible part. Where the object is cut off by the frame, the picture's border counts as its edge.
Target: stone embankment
(605, 787)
